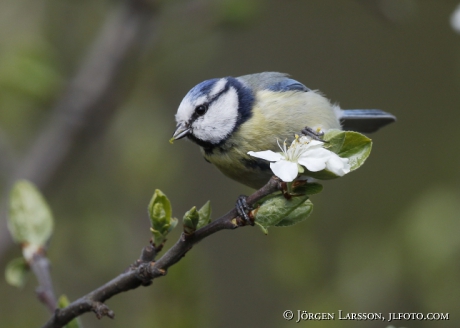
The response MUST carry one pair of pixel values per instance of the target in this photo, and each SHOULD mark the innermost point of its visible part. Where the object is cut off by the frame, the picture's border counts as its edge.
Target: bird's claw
(242, 208)
(315, 135)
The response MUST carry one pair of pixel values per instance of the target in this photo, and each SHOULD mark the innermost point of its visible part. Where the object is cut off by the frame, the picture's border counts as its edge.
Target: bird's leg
(315, 135)
(243, 209)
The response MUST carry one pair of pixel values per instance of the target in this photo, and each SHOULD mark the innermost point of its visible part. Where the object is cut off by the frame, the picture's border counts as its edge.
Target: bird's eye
(201, 110)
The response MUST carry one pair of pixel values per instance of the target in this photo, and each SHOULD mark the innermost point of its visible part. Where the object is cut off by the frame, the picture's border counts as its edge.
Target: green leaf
(205, 215)
(301, 213)
(308, 189)
(16, 272)
(330, 134)
(160, 214)
(347, 144)
(30, 218)
(276, 208)
(191, 219)
(264, 229)
(159, 207)
(64, 302)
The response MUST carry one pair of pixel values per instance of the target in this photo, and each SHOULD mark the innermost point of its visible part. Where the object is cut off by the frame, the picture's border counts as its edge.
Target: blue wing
(273, 81)
(288, 85)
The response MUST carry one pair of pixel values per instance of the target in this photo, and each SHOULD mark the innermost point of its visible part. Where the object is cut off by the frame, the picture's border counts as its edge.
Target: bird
(228, 117)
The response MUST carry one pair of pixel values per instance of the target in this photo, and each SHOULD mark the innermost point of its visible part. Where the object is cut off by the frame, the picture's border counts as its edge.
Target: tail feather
(365, 120)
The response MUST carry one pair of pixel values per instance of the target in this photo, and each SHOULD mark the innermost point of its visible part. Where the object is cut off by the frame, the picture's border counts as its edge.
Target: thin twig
(145, 271)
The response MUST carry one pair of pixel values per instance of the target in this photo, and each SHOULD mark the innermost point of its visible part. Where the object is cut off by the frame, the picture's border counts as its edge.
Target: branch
(144, 270)
(41, 268)
(89, 102)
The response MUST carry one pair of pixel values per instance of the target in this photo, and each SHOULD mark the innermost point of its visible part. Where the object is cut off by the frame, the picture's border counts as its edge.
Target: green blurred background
(383, 239)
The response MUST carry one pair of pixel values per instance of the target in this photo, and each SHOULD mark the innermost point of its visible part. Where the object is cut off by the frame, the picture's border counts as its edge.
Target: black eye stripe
(200, 111)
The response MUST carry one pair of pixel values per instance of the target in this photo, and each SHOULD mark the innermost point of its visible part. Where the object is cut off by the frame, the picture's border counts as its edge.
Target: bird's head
(213, 110)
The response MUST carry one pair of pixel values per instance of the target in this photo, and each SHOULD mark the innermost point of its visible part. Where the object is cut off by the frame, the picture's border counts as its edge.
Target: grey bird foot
(242, 208)
(315, 135)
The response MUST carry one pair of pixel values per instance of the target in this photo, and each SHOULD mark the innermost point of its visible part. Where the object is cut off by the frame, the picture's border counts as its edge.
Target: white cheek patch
(220, 119)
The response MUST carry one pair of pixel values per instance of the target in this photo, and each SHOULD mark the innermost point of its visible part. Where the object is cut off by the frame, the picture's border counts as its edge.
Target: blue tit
(227, 117)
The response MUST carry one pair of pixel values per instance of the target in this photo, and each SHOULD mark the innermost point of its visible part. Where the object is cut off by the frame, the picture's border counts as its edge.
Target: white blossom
(303, 152)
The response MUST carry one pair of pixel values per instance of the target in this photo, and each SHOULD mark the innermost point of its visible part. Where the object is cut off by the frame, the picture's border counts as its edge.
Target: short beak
(181, 131)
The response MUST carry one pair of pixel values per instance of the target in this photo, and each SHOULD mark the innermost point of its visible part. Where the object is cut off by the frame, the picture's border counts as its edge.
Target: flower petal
(338, 165)
(315, 159)
(285, 170)
(313, 143)
(313, 164)
(268, 155)
(317, 152)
